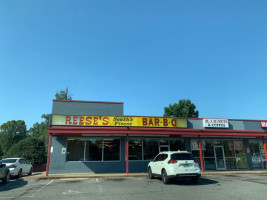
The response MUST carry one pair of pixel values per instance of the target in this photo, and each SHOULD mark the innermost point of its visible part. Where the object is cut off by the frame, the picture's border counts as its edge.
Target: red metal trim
(66, 131)
(127, 154)
(265, 149)
(48, 155)
(200, 153)
(88, 101)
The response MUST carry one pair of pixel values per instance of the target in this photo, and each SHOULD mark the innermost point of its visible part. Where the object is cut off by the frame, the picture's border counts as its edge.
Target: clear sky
(145, 53)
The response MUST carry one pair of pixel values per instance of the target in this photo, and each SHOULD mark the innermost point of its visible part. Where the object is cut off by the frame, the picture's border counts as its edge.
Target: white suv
(174, 165)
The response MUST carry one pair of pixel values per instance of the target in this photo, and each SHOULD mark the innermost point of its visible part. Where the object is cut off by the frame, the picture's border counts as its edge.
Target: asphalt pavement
(220, 187)
(42, 175)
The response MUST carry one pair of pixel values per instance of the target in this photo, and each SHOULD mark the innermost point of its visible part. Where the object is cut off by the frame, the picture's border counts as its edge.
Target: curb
(124, 175)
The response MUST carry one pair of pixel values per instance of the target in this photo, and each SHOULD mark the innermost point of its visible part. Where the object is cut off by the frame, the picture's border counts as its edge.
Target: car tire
(7, 178)
(164, 177)
(150, 175)
(194, 180)
(19, 173)
(30, 172)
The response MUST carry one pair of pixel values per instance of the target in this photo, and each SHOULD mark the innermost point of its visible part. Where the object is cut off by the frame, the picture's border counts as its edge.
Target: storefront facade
(95, 137)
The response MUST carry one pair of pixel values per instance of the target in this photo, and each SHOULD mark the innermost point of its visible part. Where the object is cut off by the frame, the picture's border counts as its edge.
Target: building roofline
(258, 120)
(88, 101)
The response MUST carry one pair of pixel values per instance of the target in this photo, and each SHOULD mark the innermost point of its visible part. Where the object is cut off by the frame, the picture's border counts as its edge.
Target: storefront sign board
(264, 124)
(215, 123)
(122, 121)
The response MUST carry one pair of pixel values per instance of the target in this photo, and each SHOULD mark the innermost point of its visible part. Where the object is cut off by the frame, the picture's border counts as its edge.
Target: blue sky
(145, 53)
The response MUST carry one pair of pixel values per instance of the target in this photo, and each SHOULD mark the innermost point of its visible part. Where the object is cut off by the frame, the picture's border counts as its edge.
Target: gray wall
(58, 163)
(87, 108)
(233, 125)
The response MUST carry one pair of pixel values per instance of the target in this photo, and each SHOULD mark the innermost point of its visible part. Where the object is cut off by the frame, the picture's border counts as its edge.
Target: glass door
(219, 158)
(164, 148)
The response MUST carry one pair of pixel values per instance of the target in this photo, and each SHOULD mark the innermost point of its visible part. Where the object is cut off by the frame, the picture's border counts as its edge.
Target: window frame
(84, 149)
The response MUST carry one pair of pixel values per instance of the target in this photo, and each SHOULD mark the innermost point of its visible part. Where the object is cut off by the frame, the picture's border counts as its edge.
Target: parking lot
(241, 186)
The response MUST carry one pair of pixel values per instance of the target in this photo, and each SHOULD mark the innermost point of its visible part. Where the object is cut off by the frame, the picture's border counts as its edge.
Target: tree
(11, 132)
(30, 148)
(63, 95)
(183, 109)
(39, 130)
(1, 153)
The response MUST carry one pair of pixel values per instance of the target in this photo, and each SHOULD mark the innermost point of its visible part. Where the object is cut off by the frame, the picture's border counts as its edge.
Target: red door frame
(48, 155)
(200, 153)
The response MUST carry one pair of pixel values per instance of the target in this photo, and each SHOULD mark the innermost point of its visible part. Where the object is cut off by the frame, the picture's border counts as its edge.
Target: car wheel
(7, 178)
(20, 173)
(30, 172)
(150, 175)
(164, 177)
(194, 180)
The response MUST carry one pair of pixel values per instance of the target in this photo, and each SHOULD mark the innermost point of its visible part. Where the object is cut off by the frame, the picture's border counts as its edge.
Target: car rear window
(182, 156)
(9, 161)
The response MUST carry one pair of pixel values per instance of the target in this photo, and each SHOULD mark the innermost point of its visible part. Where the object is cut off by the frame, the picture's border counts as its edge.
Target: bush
(30, 148)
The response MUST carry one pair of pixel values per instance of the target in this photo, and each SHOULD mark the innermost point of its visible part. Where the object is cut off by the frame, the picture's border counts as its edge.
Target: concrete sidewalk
(42, 175)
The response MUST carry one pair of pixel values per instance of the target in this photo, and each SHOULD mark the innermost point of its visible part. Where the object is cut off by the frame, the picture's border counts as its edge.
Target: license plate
(186, 165)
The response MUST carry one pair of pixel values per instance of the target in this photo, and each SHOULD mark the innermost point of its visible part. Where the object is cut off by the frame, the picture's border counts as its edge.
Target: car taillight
(196, 160)
(12, 166)
(171, 161)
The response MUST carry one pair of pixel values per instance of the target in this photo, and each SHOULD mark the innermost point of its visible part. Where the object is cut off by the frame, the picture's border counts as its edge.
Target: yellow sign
(126, 121)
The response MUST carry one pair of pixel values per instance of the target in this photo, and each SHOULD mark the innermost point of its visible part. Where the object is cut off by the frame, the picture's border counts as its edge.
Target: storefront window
(75, 150)
(176, 145)
(135, 149)
(163, 142)
(241, 161)
(93, 149)
(208, 151)
(111, 149)
(151, 148)
(229, 154)
(147, 149)
(257, 158)
(221, 154)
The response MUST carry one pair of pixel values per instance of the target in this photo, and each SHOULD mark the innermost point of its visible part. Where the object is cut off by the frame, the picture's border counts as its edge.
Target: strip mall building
(95, 137)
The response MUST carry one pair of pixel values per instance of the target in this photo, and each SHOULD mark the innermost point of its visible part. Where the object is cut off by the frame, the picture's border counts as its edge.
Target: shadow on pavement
(202, 181)
(13, 184)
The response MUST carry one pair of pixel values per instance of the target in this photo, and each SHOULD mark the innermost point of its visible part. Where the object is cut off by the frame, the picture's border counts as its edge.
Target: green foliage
(39, 130)
(183, 109)
(30, 148)
(1, 153)
(63, 95)
(11, 132)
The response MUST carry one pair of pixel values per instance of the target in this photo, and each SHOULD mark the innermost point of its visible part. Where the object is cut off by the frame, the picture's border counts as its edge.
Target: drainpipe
(200, 154)
(48, 155)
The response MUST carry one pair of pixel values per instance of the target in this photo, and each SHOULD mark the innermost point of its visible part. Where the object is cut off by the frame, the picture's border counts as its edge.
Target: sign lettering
(126, 121)
(215, 123)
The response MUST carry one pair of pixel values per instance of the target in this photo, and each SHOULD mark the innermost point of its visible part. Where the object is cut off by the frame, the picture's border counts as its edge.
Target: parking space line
(4, 186)
(99, 186)
(39, 189)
